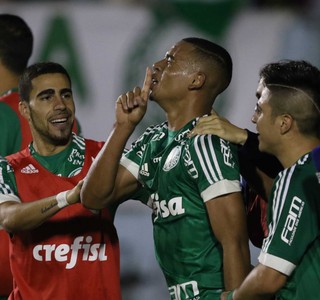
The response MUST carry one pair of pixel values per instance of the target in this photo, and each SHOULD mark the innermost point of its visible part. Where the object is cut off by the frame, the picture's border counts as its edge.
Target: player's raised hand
(131, 106)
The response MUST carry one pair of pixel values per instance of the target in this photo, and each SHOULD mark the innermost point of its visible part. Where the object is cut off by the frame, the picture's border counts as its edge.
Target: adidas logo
(145, 170)
(29, 169)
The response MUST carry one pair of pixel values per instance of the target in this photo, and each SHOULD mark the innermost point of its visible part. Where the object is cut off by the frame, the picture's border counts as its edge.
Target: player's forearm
(26, 216)
(236, 261)
(98, 189)
(261, 284)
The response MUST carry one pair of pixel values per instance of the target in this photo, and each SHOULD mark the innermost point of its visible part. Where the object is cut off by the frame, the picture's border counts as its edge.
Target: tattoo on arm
(45, 209)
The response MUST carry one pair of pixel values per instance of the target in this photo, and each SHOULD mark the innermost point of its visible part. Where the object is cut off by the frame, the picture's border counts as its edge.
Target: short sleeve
(216, 165)
(7, 182)
(293, 224)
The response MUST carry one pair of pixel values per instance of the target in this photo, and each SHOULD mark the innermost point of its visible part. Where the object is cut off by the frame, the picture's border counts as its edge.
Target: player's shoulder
(304, 165)
(211, 141)
(17, 158)
(152, 133)
(300, 173)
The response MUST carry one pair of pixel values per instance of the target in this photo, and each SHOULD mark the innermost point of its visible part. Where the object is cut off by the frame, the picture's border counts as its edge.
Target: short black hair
(299, 74)
(219, 54)
(35, 70)
(16, 43)
(295, 85)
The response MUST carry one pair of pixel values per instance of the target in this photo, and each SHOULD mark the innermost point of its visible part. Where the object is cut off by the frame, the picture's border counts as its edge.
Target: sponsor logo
(164, 208)
(156, 160)
(172, 159)
(70, 254)
(188, 162)
(144, 170)
(158, 136)
(225, 149)
(181, 135)
(292, 220)
(187, 290)
(29, 169)
(140, 152)
(76, 158)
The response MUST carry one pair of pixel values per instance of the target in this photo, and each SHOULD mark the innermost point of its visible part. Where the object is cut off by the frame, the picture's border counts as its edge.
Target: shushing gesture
(131, 107)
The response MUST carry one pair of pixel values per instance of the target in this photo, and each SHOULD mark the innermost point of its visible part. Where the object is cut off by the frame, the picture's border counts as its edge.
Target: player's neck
(47, 149)
(292, 152)
(178, 118)
(8, 81)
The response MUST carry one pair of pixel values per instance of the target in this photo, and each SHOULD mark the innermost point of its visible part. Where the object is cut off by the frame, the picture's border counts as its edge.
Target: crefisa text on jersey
(61, 253)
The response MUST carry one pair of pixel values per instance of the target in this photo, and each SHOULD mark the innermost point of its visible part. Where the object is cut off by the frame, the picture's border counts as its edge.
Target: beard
(58, 138)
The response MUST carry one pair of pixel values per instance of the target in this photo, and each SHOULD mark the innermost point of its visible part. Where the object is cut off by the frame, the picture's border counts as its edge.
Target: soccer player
(287, 118)
(200, 234)
(258, 170)
(59, 249)
(16, 45)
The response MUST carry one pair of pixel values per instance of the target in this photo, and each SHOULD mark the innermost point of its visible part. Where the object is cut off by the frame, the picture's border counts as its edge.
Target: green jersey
(292, 246)
(66, 163)
(180, 174)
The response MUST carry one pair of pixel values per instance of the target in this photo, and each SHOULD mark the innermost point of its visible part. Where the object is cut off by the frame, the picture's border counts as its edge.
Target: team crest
(172, 159)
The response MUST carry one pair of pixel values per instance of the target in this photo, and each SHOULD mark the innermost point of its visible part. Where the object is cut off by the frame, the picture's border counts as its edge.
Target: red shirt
(11, 138)
(74, 254)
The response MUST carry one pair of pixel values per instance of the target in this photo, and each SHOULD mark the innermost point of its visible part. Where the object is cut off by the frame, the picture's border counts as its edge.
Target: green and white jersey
(293, 243)
(180, 175)
(8, 189)
(67, 163)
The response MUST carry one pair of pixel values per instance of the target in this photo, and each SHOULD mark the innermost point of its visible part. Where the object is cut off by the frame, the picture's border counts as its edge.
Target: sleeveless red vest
(74, 254)
(12, 100)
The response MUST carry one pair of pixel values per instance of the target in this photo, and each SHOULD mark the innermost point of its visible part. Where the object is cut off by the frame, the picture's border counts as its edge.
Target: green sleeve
(8, 184)
(10, 131)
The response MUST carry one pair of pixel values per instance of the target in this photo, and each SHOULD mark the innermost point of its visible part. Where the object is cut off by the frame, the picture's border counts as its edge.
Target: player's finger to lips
(137, 95)
(147, 84)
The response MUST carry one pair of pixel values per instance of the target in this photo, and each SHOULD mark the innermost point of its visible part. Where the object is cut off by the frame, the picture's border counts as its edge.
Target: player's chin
(62, 137)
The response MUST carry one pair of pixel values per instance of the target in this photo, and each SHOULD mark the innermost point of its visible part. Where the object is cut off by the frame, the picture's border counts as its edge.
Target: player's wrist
(227, 295)
(242, 137)
(124, 128)
(230, 295)
(62, 199)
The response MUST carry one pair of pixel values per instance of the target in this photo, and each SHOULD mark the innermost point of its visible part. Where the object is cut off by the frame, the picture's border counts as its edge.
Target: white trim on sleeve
(276, 263)
(221, 188)
(9, 197)
(131, 166)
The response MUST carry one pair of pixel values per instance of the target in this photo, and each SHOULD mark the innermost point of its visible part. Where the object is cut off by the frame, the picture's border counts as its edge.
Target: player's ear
(24, 109)
(286, 123)
(197, 81)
